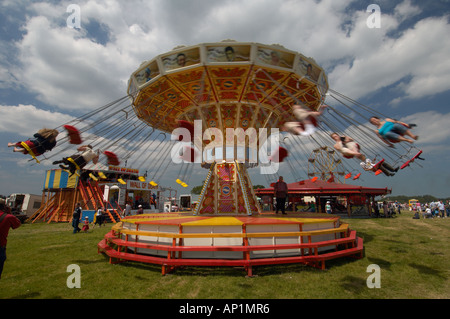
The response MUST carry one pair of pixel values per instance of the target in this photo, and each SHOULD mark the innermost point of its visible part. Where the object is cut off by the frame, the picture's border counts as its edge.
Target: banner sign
(138, 185)
(127, 170)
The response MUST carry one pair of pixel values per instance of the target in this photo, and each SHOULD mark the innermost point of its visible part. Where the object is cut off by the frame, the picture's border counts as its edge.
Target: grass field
(413, 256)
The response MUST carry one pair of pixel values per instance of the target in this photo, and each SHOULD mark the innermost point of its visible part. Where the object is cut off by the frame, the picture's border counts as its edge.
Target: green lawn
(413, 256)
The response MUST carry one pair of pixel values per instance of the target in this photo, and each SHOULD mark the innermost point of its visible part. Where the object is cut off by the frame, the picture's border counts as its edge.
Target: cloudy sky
(51, 73)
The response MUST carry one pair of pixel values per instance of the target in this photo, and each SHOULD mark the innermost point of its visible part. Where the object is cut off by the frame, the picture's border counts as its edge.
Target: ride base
(174, 240)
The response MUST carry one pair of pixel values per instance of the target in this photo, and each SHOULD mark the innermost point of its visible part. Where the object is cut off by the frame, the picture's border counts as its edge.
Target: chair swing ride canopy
(222, 85)
(226, 85)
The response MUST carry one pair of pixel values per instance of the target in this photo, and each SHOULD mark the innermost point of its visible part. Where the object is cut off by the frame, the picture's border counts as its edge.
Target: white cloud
(25, 120)
(69, 70)
(432, 126)
(406, 10)
(419, 54)
(65, 71)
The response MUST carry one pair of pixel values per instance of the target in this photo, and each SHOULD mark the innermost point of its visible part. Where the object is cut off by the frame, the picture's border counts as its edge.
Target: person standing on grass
(98, 217)
(76, 218)
(441, 208)
(281, 192)
(7, 221)
(448, 208)
(328, 207)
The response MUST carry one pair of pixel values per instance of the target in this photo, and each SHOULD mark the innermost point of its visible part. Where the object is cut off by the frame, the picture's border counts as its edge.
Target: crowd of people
(436, 209)
(99, 219)
(387, 209)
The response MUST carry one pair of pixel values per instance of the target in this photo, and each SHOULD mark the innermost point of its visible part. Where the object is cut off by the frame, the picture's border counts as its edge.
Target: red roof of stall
(319, 187)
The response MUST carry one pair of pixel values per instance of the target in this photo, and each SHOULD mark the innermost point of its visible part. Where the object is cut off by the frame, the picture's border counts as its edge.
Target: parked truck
(24, 205)
(185, 202)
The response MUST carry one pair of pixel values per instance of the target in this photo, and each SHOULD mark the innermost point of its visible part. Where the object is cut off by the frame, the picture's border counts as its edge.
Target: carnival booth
(311, 196)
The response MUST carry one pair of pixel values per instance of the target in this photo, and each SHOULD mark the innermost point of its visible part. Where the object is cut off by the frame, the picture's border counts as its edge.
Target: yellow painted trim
(174, 235)
(215, 221)
(140, 220)
(118, 226)
(342, 228)
(305, 220)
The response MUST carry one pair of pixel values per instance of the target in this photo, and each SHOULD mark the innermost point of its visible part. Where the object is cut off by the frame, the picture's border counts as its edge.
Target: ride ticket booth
(142, 193)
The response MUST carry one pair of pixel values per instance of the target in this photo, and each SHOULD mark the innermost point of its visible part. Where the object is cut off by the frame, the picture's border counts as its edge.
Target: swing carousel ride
(221, 105)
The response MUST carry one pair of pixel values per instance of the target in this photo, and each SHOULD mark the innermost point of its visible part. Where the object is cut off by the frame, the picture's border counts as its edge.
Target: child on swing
(306, 119)
(44, 140)
(349, 149)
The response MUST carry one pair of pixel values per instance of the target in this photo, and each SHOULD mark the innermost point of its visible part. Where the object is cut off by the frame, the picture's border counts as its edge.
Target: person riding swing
(349, 149)
(78, 161)
(42, 141)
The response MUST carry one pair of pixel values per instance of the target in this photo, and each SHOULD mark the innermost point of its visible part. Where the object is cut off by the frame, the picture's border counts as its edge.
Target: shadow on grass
(88, 262)
(235, 271)
(281, 269)
(428, 270)
(398, 250)
(223, 271)
(354, 284)
(384, 264)
(209, 271)
(191, 271)
(136, 265)
(339, 262)
(31, 294)
(365, 236)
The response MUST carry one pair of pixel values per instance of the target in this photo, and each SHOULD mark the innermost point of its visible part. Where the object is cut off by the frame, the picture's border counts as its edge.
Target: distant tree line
(196, 190)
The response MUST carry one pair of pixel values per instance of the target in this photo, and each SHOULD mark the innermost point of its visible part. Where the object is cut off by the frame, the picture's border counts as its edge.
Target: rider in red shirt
(7, 221)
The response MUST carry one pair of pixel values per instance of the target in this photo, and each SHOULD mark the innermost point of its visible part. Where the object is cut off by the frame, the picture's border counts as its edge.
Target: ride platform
(173, 240)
